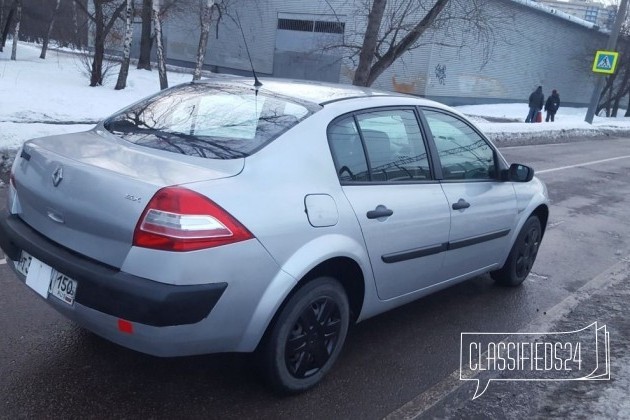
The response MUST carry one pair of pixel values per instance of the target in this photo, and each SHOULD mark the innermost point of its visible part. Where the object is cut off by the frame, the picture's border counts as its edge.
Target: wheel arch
(346, 271)
(542, 212)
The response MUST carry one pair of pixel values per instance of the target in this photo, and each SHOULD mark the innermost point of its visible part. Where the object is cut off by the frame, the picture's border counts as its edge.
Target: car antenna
(257, 83)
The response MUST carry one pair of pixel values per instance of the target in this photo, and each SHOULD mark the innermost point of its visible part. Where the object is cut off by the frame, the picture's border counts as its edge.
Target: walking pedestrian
(536, 101)
(552, 105)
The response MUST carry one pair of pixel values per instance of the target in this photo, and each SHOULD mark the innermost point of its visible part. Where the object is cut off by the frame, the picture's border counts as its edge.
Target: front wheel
(307, 336)
(522, 256)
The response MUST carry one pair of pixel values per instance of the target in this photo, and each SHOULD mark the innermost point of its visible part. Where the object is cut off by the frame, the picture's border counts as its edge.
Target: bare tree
(621, 92)
(124, 66)
(205, 19)
(106, 12)
(618, 84)
(16, 31)
(49, 31)
(157, 24)
(395, 27)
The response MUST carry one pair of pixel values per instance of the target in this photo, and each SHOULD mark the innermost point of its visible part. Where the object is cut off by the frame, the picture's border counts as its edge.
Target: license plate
(44, 279)
(63, 287)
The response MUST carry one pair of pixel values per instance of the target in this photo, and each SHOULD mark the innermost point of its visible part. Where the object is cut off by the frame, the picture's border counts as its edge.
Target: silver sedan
(226, 217)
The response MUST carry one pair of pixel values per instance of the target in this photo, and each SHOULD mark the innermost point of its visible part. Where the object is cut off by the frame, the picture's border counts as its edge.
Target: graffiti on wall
(440, 73)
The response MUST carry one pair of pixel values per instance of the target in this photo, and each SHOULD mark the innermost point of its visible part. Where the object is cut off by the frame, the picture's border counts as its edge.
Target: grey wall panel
(295, 65)
(539, 50)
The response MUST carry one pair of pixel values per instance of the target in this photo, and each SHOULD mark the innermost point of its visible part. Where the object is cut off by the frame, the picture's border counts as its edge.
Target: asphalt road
(49, 368)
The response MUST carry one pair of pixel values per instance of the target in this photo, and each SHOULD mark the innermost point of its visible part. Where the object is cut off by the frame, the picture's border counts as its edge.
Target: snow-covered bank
(569, 124)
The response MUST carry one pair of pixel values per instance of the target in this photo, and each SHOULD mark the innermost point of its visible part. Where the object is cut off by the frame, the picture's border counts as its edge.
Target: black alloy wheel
(522, 256)
(306, 337)
(313, 338)
(526, 255)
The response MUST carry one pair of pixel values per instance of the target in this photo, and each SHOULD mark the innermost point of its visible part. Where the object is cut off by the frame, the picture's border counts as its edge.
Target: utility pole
(610, 46)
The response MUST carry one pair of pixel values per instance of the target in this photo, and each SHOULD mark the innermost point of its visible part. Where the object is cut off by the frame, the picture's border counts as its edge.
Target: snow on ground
(53, 96)
(36, 95)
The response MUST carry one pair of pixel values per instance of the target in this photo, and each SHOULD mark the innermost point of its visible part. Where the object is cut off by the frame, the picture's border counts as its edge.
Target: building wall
(540, 49)
(535, 48)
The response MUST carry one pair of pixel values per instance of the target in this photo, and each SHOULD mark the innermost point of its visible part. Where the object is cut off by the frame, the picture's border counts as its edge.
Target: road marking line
(3, 261)
(594, 162)
(434, 395)
(537, 276)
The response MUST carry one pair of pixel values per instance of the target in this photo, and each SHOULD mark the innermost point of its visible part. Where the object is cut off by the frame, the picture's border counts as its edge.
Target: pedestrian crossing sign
(605, 62)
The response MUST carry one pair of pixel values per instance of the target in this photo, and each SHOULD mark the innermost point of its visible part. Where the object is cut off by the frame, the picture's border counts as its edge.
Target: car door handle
(461, 204)
(379, 211)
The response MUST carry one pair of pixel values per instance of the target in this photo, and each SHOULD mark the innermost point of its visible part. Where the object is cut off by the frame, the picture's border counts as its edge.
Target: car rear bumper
(109, 291)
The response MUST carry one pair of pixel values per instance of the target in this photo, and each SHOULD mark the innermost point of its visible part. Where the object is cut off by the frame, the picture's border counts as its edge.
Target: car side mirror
(518, 173)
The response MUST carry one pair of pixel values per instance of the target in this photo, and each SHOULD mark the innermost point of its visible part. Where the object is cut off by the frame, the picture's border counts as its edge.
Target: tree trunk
(367, 73)
(1, 20)
(16, 32)
(603, 103)
(627, 114)
(124, 66)
(615, 108)
(96, 78)
(205, 18)
(623, 91)
(7, 27)
(75, 22)
(157, 24)
(610, 94)
(146, 40)
(49, 31)
(366, 56)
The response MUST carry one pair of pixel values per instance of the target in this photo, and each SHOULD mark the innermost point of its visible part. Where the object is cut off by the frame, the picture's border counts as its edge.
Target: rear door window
(379, 146)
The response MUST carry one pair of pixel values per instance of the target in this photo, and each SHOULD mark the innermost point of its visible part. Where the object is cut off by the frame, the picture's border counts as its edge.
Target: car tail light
(178, 219)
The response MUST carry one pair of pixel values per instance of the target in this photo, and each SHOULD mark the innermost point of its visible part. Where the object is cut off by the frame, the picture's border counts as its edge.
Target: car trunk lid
(87, 191)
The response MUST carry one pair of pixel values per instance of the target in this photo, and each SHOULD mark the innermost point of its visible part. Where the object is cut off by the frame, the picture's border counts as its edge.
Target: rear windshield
(214, 122)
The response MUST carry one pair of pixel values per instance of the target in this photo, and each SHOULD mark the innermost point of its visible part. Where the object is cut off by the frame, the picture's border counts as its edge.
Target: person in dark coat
(536, 101)
(552, 105)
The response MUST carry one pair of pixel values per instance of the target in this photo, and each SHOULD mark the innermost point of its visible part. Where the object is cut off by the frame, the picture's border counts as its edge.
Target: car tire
(522, 256)
(307, 336)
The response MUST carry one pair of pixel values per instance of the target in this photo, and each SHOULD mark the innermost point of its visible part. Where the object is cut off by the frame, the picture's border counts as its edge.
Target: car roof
(319, 93)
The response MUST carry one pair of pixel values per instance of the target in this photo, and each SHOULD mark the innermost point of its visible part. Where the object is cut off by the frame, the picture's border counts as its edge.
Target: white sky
(35, 94)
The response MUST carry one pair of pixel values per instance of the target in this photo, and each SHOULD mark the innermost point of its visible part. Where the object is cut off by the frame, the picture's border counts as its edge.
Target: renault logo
(57, 176)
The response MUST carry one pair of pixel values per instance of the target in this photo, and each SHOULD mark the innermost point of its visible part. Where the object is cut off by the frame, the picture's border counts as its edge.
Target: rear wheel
(307, 337)
(522, 256)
